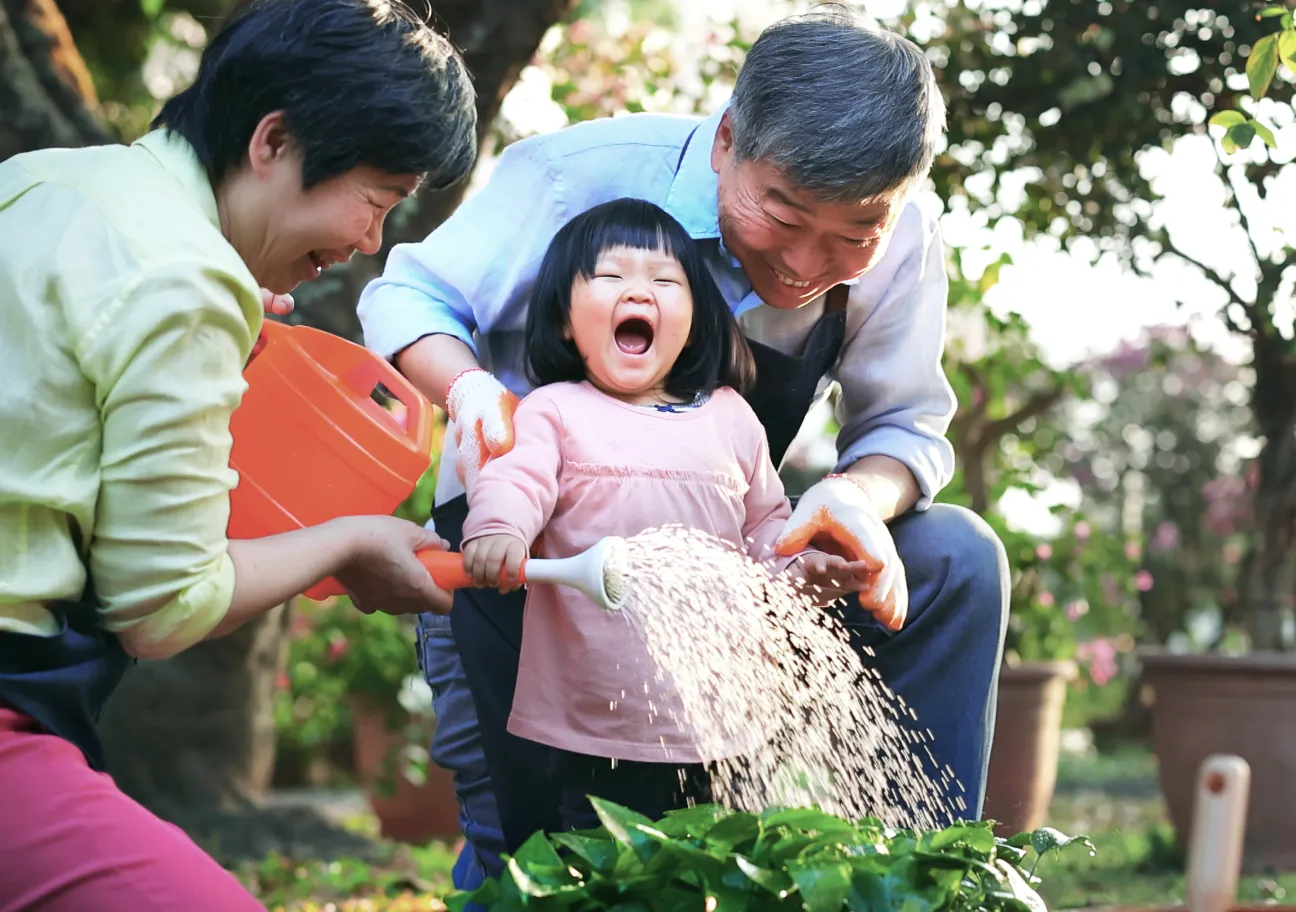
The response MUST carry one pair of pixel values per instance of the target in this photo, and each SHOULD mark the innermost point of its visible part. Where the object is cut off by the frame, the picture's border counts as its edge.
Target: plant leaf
(1287, 48)
(1262, 64)
(696, 821)
(600, 853)
(823, 887)
(1270, 11)
(1227, 119)
(976, 836)
(486, 894)
(1020, 890)
(1238, 137)
(1047, 839)
(734, 831)
(807, 819)
(1265, 134)
(538, 851)
(776, 882)
(151, 8)
(628, 827)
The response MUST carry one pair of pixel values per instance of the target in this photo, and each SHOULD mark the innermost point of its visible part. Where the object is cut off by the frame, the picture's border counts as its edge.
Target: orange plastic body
(311, 441)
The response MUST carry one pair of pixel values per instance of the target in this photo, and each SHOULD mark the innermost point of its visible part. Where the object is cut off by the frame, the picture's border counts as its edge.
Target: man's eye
(779, 221)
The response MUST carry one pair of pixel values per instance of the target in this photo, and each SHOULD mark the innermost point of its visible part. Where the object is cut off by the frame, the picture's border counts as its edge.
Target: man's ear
(722, 148)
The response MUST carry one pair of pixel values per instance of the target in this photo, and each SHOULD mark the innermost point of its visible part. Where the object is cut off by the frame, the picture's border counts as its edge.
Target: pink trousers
(70, 841)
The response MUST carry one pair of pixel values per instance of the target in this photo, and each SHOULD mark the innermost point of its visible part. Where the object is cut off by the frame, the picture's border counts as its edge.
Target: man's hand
(828, 577)
(836, 516)
(495, 561)
(384, 574)
(482, 409)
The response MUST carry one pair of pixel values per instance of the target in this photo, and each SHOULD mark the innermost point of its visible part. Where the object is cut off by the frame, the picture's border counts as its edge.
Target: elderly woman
(130, 296)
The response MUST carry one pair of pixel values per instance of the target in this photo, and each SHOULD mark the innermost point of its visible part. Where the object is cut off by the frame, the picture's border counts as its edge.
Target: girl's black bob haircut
(716, 354)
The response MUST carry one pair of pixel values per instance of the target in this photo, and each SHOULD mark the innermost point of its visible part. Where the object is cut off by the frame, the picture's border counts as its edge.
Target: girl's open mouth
(634, 336)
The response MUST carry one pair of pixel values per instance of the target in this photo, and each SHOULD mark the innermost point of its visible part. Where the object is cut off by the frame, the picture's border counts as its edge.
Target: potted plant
(709, 857)
(362, 671)
(1069, 594)
(1072, 607)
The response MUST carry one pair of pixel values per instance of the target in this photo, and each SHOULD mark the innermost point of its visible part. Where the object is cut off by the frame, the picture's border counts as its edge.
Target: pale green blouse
(125, 321)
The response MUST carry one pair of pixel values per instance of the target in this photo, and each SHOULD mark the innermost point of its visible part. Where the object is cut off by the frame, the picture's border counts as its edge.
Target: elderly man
(800, 190)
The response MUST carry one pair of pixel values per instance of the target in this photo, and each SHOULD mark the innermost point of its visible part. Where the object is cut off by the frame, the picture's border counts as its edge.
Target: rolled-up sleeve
(896, 400)
(469, 272)
(166, 360)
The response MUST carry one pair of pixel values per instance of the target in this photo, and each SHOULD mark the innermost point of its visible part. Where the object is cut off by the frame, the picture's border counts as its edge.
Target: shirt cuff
(405, 318)
(182, 622)
(929, 460)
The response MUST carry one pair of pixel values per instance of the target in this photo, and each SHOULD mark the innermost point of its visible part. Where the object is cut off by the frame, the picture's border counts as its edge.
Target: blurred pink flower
(1077, 609)
(1082, 531)
(1143, 581)
(1132, 550)
(337, 647)
(1044, 551)
(1045, 599)
(1165, 537)
(282, 681)
(1101, 656)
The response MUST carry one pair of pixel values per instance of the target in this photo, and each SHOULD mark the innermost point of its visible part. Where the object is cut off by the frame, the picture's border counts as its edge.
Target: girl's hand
(277, 304)
(495, 561)
(828, 577)
(383, 573)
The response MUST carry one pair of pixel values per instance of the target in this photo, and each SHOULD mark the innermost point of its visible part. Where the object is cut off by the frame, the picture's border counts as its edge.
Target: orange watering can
(327, 429)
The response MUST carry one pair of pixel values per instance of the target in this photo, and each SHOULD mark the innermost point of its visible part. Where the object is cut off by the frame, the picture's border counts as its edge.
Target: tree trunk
(192, 738)
(497, 38)
(46, 96)
(1272, 578)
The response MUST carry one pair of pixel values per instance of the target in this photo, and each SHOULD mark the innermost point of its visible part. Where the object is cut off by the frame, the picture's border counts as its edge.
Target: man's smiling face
(793, 246)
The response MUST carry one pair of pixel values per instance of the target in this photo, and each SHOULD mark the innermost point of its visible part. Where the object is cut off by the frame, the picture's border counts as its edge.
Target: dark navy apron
(487, 626)
(64, 681)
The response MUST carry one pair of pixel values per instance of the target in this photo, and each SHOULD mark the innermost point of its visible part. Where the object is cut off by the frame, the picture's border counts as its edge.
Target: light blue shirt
(472, 279)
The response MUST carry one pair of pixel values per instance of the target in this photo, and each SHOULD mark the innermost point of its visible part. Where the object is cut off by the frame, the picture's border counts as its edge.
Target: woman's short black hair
(359, 82)
(716, 354)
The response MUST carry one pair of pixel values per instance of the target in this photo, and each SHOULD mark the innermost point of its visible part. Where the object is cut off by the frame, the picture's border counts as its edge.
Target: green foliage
(1240, 128)
(1006, 434)
(714, 858)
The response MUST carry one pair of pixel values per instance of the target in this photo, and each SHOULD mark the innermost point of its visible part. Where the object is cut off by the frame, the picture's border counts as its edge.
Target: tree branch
(1037, 404)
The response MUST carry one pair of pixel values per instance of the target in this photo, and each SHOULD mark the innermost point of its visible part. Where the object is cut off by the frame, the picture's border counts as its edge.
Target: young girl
(637, 421)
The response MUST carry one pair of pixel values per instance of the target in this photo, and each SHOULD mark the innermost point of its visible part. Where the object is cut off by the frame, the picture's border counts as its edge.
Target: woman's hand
(495, 561)
(384, 573)
(828, 577)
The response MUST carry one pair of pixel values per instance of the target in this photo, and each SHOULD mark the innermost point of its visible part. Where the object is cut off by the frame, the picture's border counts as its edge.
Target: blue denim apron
(64, 681)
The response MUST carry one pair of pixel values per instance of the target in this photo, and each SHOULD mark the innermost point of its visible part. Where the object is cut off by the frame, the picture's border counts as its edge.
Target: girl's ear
(566, 331)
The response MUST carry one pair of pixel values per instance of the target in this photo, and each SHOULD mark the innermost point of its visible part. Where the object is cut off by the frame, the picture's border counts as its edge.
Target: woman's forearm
(432, 363)
(270, 571)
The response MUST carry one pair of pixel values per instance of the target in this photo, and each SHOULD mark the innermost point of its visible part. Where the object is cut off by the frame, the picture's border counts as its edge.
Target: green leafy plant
(713, 858)
(1240, 127)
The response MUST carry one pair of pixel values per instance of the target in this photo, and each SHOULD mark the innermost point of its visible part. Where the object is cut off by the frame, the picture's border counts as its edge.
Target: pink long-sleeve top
(584, 466)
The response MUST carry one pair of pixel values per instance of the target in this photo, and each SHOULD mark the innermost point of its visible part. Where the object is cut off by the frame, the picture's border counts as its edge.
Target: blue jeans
(457, 746)
(944, 662)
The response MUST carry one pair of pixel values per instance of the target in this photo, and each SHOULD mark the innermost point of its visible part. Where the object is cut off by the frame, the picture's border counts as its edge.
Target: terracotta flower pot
(1027, 737)
(406, 812)
(1246, 705)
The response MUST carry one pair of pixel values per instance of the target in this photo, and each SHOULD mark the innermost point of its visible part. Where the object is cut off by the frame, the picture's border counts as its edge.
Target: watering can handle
(447, 569)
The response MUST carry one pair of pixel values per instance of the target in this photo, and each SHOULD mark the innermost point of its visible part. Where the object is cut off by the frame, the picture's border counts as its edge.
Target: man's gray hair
(846, 109)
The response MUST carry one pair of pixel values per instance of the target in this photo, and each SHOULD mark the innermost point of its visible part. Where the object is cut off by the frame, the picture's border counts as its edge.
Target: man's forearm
(432, 363)
(888, 482)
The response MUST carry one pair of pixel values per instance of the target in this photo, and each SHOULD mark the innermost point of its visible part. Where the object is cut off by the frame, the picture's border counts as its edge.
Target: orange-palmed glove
(836, 516)
(482, 409)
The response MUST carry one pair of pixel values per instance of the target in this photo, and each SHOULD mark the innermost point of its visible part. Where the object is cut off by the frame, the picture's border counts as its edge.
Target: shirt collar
(693, 198)
(177, 157)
